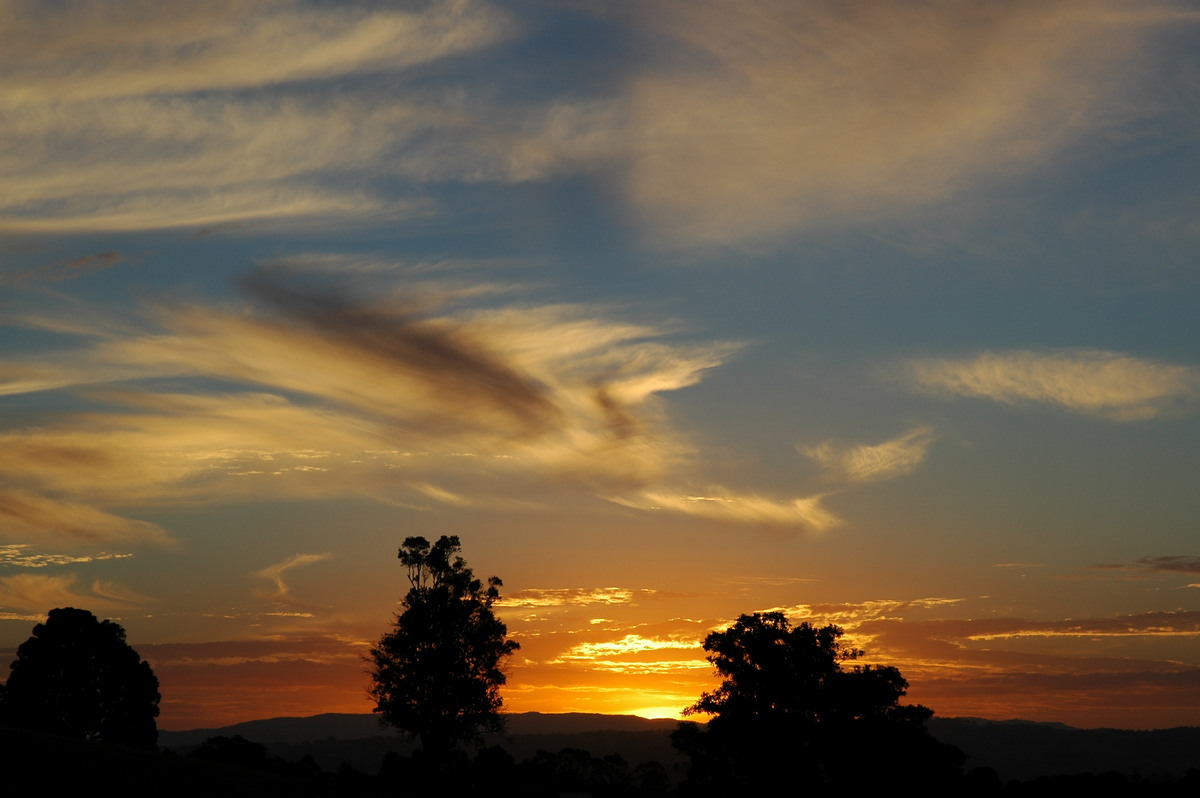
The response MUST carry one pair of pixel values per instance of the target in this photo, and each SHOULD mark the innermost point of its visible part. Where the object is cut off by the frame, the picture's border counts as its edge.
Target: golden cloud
(1105, 384)
(328, 396)
(26, 514)
(19, 555)
(145, 116)
(42, 592)
(557, 597)
(274, 573)
(723, 505)
(893, 458)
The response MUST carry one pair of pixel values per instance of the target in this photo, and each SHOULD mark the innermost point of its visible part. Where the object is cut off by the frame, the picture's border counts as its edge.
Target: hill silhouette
(1015, 749)
(361, 742)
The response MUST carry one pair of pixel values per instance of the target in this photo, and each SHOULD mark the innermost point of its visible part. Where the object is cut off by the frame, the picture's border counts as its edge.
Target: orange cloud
(275, 574)
(43, 592)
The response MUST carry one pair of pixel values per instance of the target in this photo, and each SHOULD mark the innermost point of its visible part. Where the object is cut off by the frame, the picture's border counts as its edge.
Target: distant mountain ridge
(1015, 749)
(352, 726)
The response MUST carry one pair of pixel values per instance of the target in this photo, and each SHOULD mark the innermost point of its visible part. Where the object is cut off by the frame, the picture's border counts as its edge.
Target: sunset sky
(880, 314)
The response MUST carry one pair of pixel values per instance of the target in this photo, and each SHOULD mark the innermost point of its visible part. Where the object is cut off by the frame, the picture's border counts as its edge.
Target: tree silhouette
(788, 709)
(437, 674)
(76, 676)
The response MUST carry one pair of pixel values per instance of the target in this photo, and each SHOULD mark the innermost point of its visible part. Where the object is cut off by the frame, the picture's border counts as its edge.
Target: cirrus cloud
(407, 399)
(871, 463)
(40, 592)
(798, 113)
(1099, 383)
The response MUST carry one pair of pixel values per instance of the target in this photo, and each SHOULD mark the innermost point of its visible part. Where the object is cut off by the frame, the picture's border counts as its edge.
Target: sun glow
(657, 713)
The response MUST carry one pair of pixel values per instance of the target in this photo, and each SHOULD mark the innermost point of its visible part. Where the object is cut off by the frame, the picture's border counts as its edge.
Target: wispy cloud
(722, 505)
(871, 463)
(126, 117)
(19, 555)
(852, 613)
(1149, 624)
(793, 114)
(557, 597)
(324, 394)
(26, 514)
(226, 45)
(275, 574)
(40, 592)
(1105, 384)
(64, 269)
(1172, 563)
(1093, 671)
(583, 596)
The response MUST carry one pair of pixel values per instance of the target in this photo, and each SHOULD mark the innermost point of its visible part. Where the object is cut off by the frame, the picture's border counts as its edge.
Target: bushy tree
(76, 676)
(787, 710)
(438, 673)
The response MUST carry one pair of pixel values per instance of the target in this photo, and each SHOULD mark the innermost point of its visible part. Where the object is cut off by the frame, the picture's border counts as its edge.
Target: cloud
(557, 597)
(137, 117)
(19, 556)
(44, 592)
(886, 460)
(64, 269)
(723, 505)
(670, 649)
(1174, 563)
(27, 514)
(109, 48)
(852, 613)
(583, 596)
(274, 574)
(310, 392)
(122, 116)
(793, 114)
(1105, 384)
(1149, 624)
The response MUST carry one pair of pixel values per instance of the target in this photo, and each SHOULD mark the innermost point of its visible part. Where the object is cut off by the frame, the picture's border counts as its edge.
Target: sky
(876, 314)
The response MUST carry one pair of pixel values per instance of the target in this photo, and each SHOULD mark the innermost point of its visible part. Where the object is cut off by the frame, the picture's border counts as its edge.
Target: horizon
(692, 719)
(872, 314)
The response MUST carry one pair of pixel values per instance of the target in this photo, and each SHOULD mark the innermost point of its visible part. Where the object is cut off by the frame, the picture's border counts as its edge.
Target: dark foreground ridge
(1015, 749)
(345, 752)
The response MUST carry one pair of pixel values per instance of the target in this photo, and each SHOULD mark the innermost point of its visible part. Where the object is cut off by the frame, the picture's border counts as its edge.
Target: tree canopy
(438, 673)
(76, 676)
(787, 705)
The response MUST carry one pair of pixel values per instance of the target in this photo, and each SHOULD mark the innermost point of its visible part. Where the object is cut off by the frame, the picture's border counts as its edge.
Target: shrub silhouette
(77, 677)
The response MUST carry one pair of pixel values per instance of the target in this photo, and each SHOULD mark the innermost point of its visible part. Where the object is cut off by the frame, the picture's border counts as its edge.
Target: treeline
(494, 771)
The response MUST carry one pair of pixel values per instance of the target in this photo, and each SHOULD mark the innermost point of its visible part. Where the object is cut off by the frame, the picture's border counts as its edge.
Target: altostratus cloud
(1099, 383)
(870, 463)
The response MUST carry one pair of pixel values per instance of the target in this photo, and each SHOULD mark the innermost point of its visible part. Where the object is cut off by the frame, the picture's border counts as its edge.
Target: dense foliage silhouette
(437, 674)
(788, 706)
(77, 677)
